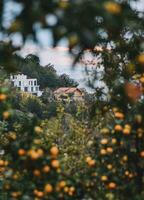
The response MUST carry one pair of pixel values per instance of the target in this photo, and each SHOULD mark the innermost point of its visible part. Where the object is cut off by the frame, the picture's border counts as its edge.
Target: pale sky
(57, 56)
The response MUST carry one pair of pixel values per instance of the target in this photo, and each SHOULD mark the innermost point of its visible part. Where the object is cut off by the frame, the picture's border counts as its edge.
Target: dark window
(34, 82)
(25, 89)
(12, 83)
(19, 83)
(32, 89)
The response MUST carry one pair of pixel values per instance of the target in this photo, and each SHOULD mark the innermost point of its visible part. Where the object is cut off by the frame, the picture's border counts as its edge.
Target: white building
(25, 84)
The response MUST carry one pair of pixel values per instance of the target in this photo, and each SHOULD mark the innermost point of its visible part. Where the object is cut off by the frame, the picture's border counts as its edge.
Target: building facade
(25, 84)
(72, 93)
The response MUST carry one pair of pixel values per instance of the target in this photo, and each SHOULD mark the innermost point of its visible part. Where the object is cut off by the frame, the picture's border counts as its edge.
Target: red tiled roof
(66, 90)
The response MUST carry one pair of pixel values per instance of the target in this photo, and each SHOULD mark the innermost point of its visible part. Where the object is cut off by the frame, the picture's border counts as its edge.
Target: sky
(59, 56)
(62, 61)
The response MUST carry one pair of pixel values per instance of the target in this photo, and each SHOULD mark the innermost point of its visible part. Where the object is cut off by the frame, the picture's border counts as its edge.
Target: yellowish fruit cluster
(69, 190)
(109, 166)
(35, 154)
(16, 195)
(140, 58)
(105, 131)
(140, 132)
(104, 178)
(112, 7)
(38, 129)
(91, 162)
(64, 4)
(113, 140)
(3, 163)
(127, 129)
(108, 150)
(6, 115)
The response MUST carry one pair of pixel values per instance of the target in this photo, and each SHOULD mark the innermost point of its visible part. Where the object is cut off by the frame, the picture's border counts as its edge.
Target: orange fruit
(131, 175)
(109, 166)
(91, 163)
(40, 152)
(15, 177)
(21, 152)
(138, 118)
(140, 58)
(72, 189)
(112, 7)
(66, 189)
(109, 149)
(70, 193)
(33, 154)
(112, 185)
(35, 191)
(36, 172)
(114, 140)
(125, 158)
(104, 178)
(119, 115)
(118, 127)
(126, 173)
(142, 154)
(62, 184)
(88, 159)
(55, 163)
(46, 169)
(128, 126)
(14, 194)
(103, 152)
(6, 115)
(48, 188)
(3, 97)
(104, 141)
(2, 162)
(38, 129)
(126, 131)
(40, 194)
(54, 151)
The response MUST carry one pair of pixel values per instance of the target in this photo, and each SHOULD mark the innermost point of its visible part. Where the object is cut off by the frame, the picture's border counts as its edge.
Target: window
(25, 89)
(35, 83)
(31, 89)
(12, 83)
(19, 83)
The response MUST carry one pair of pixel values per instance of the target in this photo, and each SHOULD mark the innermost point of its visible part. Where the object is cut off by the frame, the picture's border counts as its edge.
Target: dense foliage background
(89, 151)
